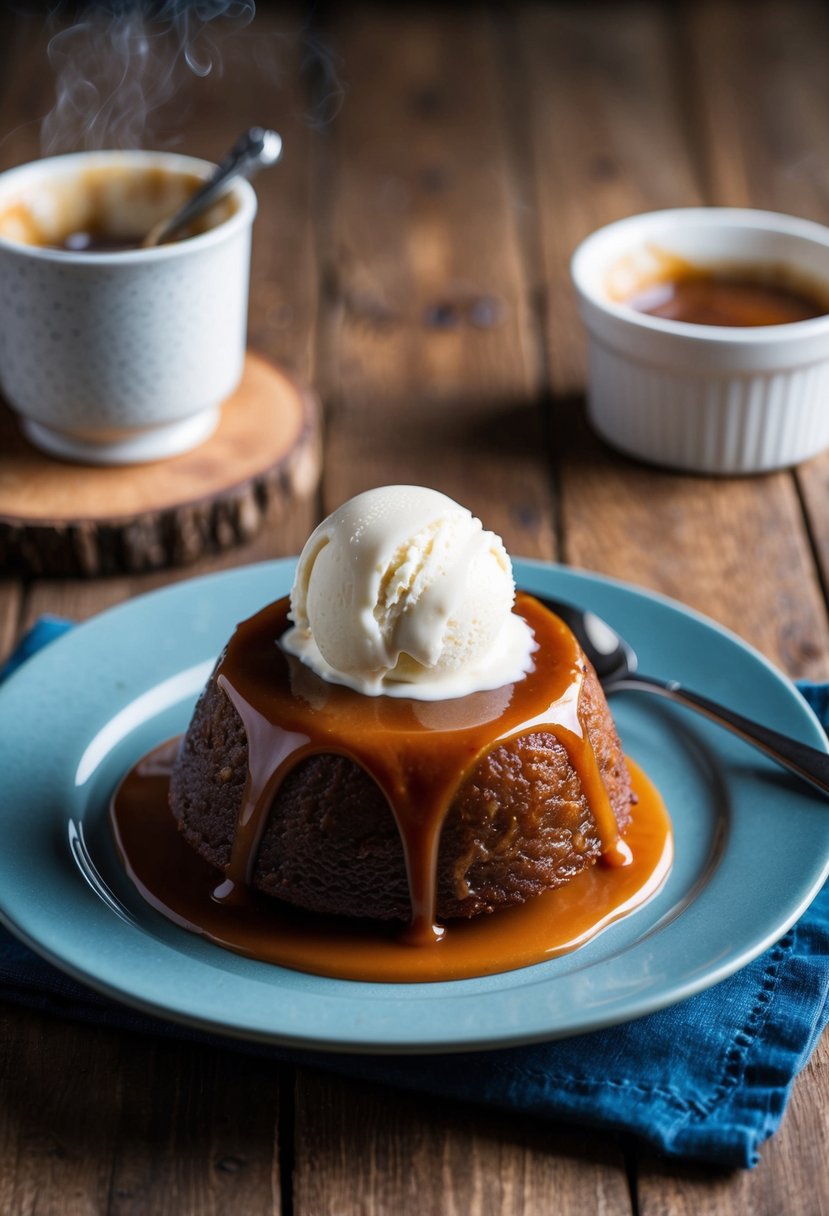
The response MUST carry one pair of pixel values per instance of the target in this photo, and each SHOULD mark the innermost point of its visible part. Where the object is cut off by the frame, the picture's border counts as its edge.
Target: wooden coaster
(58, 518)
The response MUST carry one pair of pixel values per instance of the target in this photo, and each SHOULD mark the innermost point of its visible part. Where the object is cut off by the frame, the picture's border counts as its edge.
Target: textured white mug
(124, 356)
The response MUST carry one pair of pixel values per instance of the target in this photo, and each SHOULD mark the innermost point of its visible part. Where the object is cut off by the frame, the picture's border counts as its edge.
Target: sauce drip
(708, 299)
(178, 883)
(418, 752)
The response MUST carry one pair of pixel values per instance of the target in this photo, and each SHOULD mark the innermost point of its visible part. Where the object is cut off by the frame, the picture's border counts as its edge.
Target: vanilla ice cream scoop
(402, 592)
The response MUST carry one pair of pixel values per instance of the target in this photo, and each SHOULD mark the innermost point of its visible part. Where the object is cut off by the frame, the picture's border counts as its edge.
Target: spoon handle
(252, 151)
(807, 762)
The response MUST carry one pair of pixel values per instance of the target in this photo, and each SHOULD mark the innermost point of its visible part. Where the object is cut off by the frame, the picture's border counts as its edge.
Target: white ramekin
(707, 399)
(117, 358)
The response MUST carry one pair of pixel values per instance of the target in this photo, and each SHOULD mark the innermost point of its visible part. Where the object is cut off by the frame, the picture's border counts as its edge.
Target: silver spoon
(252, 151)
(616, 666)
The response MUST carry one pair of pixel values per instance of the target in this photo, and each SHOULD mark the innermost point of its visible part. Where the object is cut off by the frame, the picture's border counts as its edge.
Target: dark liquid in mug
(98, 242)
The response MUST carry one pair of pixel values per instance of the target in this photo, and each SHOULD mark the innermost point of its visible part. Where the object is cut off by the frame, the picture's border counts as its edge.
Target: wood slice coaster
(58, 518)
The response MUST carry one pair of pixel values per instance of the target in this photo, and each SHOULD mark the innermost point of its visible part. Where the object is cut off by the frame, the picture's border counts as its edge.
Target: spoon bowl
(616, 665)
(612, 657)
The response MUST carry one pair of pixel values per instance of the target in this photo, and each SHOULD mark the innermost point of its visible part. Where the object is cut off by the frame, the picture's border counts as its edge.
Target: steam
(323, 66)
(122, 62)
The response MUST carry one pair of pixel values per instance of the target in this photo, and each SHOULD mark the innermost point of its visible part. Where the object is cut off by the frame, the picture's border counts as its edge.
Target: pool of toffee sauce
(424, 760)
(178, 883)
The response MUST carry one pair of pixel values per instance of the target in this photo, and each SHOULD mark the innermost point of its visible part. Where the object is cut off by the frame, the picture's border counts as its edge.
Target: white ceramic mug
(123, 356)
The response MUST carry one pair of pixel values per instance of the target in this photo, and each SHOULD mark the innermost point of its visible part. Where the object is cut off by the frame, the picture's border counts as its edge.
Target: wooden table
(410, 262)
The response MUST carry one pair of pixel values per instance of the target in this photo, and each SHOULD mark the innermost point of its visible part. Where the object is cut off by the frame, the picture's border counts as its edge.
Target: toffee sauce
(709, 299)
(419, 753)
(174, 880)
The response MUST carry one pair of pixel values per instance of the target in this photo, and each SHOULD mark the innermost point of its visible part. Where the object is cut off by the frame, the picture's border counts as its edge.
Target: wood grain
(11, 599)
(427, 374)
(606, 115)
(372, 1152)
(96, 1121)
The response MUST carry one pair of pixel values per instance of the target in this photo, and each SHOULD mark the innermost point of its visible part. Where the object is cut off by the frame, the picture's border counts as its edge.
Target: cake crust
(519, 824)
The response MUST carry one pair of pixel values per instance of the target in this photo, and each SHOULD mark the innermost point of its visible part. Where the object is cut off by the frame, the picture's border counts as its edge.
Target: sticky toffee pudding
(391, 836)
(294, 847)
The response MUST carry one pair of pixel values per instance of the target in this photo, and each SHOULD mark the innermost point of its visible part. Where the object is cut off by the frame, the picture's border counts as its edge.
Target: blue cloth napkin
(707, 1079)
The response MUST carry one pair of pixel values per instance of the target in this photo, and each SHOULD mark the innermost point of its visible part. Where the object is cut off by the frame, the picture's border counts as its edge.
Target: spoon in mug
(616, 664)
(253, 151)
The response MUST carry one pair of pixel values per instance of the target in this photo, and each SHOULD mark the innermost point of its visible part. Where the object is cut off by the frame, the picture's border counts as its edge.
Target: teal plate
(752, 844)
